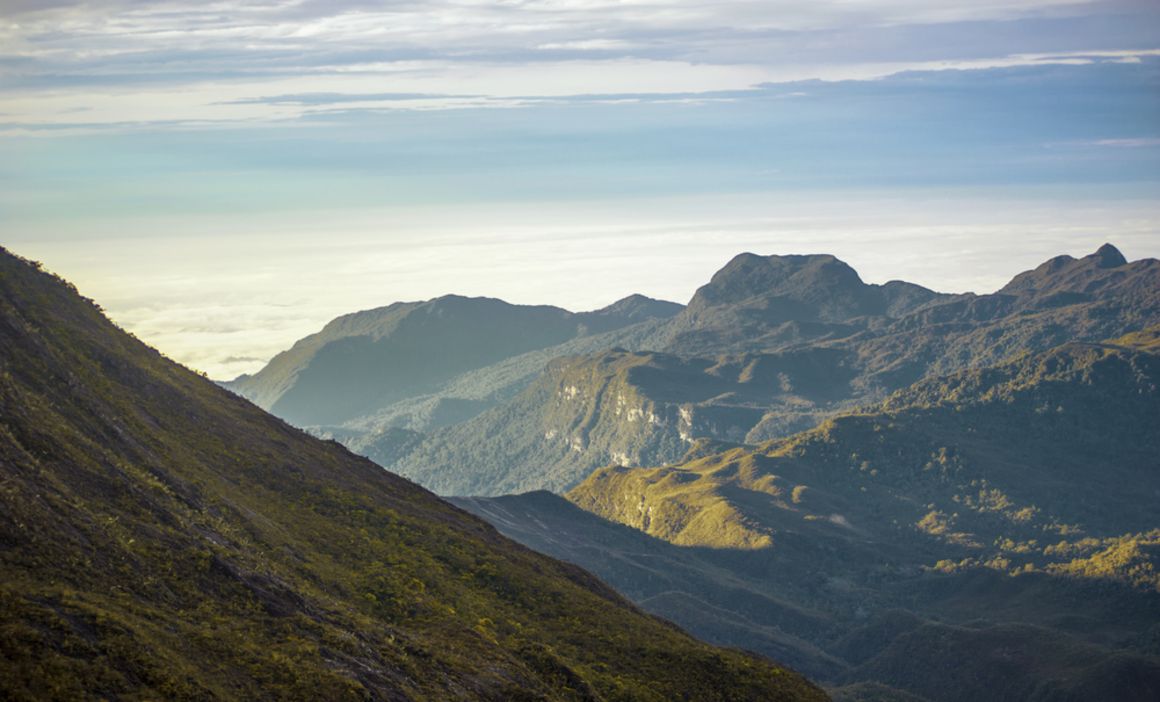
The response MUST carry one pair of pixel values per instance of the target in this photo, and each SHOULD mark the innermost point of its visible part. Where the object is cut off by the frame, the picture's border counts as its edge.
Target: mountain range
(162, 538)
(772, 345)
(907, 495)
(362, 363)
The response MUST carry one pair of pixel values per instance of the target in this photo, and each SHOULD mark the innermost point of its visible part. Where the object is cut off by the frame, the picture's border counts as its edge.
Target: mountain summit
(776, 301)
(1109, 256)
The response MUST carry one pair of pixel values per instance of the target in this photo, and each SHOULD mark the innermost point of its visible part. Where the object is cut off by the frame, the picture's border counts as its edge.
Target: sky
(225, 177)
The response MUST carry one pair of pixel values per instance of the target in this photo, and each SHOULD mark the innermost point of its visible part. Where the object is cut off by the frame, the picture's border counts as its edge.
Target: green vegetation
(1008, 508)
(162, 538)
(622, 407)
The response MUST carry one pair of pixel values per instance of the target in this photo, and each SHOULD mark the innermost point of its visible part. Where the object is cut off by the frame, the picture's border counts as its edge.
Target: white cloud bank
(226, 303)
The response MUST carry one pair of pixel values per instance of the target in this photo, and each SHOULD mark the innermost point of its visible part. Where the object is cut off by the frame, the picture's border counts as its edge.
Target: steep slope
(627, 408)
(695, 585)
(997, 527)
(163, 538)
(363, 362)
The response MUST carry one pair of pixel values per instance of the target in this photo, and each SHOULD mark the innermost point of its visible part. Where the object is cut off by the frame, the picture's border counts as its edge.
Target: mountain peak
(637, 307)
(786, 287)
(748, 274)
(1109, 256)
(1067, 274)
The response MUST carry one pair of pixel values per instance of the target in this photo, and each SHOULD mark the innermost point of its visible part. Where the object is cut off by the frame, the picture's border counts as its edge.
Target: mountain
(1095, 297)
(473, 392)
(363, 362)
(162, 538)
(772, 302)
(995, 528)
(623, 407)
(834, 343)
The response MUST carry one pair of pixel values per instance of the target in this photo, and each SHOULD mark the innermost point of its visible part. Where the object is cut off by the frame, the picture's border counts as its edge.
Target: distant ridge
(996, 526)
(361, 362)
(771, 346)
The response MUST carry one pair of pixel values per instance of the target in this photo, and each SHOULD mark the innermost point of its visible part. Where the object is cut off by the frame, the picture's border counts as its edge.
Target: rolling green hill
(162, 538)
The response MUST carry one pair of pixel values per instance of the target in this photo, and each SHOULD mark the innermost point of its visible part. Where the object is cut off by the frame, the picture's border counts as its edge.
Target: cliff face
(624, 408)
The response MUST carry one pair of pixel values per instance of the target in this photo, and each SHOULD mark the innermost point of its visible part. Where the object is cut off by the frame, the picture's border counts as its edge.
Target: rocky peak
(1067, 274)
(798, 276)
(1108, 256)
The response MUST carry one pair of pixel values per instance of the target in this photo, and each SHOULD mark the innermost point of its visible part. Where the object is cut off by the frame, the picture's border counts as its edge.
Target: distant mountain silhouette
(362, 362)
(794, 339)
(766, 302)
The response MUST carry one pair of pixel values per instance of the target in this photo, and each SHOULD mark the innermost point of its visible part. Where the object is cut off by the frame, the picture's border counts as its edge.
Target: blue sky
(225, 177)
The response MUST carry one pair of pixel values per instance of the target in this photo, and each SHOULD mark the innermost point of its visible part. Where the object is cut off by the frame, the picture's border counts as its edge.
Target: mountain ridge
(360, 361)
(582, 412)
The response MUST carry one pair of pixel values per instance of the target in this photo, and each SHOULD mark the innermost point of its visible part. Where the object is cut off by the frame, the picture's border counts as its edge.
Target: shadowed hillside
(996, 527)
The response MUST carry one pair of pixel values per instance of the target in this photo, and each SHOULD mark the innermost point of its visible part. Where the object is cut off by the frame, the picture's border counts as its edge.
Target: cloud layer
(225, 303)
(126, 63)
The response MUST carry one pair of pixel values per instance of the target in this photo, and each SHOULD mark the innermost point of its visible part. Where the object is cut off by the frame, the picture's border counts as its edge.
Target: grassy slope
(161, 537)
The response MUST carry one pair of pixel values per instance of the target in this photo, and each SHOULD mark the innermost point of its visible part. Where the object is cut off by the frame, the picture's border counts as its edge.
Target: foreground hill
(796, 339)
(996, 527)
(161, 538)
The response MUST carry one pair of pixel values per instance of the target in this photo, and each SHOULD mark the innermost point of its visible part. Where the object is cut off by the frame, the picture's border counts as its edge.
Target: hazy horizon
(224, 178)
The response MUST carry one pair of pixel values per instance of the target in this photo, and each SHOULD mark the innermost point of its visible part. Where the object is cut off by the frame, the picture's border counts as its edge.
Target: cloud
(1143, 143)
(183, 63)
(225, 302)
(442, 85)
(97, 33)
